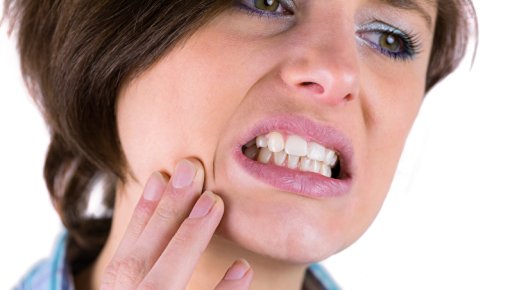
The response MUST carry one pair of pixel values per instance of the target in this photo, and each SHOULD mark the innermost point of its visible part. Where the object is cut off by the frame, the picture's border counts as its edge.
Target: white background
(445, 224)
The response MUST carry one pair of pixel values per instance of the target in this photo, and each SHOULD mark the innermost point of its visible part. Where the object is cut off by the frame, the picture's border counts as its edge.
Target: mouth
(294, 152)
(296, 155)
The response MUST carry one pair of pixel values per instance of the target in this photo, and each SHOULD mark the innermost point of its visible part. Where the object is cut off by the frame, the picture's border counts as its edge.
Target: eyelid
(288, 5)
(380, 26)
(411, 41)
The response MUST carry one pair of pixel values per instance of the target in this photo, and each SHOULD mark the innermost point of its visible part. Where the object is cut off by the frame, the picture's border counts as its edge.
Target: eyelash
(246, 7)
(410, 42)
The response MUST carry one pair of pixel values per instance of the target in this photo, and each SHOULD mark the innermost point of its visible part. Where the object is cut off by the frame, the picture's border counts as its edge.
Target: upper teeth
(299, 154)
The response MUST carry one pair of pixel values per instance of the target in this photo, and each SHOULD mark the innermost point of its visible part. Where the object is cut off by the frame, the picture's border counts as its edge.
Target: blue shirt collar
(54, 273)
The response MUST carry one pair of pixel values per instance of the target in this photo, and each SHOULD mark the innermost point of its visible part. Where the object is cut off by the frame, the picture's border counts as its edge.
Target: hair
(76, 55)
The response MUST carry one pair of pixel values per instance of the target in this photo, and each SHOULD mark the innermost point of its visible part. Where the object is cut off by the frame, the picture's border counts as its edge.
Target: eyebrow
(412, 5)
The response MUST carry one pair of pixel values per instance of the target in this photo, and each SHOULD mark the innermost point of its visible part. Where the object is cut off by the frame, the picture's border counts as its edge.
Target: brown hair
(75, 55)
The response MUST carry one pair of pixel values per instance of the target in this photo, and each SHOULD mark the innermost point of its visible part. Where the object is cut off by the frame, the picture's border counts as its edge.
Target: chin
(292, 211)
(298, 235)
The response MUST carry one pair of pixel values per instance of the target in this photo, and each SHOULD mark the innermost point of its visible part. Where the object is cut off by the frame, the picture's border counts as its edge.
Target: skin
(198, 100)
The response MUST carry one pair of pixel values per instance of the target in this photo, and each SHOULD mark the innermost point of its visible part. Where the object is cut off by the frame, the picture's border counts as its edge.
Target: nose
(322, 63)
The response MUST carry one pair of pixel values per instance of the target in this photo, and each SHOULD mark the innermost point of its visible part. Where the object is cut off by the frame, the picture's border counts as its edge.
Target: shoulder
(318, 278)
(51, 273)
(54, 273)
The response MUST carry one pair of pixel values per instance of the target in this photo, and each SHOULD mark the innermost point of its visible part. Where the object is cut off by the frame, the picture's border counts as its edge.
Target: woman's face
(320, 76)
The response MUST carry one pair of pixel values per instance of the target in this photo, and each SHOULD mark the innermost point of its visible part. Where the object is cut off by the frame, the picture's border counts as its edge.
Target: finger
(144, 209)
(184, 189)
(237, 277)
(189, 242)
(180, 195)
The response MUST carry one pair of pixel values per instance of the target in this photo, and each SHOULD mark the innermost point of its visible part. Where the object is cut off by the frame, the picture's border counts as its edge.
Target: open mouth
(294, 152)
(297, 155)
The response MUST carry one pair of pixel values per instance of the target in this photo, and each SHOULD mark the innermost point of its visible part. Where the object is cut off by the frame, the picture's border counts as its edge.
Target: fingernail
(203, 206)
(155, 187)
(184, 173)
(238, 270)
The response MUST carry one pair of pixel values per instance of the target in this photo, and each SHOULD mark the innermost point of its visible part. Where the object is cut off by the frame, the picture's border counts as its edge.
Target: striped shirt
(54, 274)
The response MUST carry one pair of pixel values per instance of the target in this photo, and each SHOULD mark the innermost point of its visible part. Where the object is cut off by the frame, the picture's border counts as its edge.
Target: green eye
(390, 42)
(267, 5)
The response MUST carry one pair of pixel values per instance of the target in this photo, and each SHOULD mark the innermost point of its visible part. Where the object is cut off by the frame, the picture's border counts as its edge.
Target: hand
(167, 234)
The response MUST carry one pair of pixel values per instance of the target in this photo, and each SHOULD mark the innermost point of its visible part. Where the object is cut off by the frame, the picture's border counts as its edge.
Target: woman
(252, 137)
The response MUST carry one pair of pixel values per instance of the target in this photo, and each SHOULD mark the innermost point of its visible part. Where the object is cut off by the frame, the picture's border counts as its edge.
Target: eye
(269, 8)
(267, 5)
(389, 41)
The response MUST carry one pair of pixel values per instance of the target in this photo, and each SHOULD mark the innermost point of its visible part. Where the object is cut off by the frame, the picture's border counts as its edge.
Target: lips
(301, 179)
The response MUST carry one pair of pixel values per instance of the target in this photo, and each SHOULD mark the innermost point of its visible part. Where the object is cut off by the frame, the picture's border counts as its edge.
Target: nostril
(313, 87)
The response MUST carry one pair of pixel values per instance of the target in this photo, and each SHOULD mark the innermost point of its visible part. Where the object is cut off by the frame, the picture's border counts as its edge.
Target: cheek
(166, 114)
(180, 106)
(387, 130)
(396, 112)
(392, 99)
(390, 106)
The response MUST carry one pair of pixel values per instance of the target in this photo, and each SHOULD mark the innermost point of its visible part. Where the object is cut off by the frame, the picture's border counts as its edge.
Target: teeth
(294, 153)
(316, 151)
(264, 155)
(261, 141)
(330, 157)
(316, 166)
(296, 145)
(275, 142)
(293, 161)
(279, 157)
(325, 170)
(333, 161)
(305, 164)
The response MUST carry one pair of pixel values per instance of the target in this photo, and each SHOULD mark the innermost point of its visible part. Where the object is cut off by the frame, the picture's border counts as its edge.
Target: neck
(219, 255)
(268, 273)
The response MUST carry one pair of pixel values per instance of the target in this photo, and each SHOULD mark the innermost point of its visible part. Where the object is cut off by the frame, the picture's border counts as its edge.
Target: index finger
(189, 242)
(144, 209)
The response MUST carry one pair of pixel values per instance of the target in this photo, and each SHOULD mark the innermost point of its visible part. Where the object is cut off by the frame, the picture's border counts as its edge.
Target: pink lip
(302, 183)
